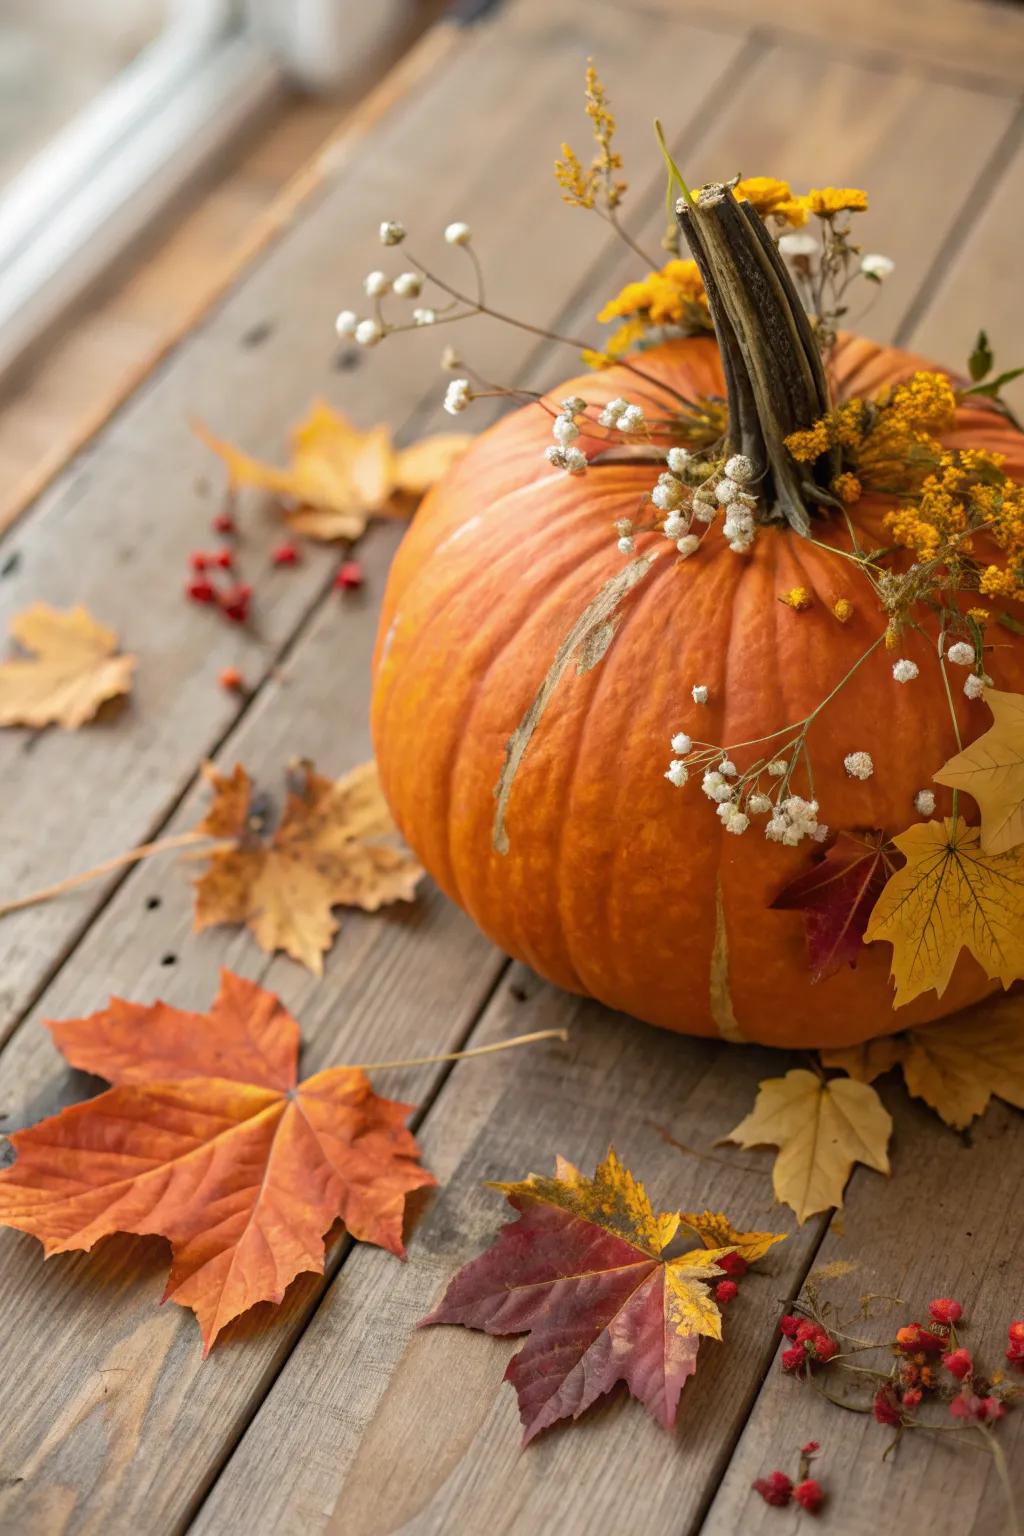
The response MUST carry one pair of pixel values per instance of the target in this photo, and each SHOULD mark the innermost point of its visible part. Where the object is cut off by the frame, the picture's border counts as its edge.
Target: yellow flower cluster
(674, 296)
(828, 201)
(890, 443)
(797, 598)
(582, 187)
(772, 198)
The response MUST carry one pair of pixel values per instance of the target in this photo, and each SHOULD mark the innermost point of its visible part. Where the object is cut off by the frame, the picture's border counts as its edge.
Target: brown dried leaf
(72, 671)
(326, 851)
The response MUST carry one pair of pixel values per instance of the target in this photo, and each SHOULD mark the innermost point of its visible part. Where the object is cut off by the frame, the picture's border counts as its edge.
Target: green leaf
(992, 388)
(981, 360)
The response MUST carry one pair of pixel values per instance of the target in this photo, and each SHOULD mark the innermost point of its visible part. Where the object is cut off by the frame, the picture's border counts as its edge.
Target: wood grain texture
(395, 1430)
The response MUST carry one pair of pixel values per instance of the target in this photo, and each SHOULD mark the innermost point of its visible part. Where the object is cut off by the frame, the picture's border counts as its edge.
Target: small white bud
(391, 232)
(798, 245)
(777, 768)
(678, 773)
(457, 396)
(627, 544)
(408, 285)
(612, 411)
(458, 234)
(564, 430)
(667, 494)
(904, 671)
(345, 323)
(677, 459)
(424, 316)
(976, 684)
(675, 526)
(759, 805)
(701, 693)
(961, 654)
(728, 768)
(688, 545)
(924, 802)
(859, 765)
(631, 420)
(739, 468)
(368, 333)
(878, 267)
(574, 406)
(726, 491)
(376, 284)
(737, 822)
(681, 744)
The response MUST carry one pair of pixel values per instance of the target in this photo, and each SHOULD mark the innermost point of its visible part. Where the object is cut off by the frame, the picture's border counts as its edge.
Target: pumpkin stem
(774, 374)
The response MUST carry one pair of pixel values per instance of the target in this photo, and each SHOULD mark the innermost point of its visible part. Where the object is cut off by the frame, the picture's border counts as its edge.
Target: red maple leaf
(581, 1271)
(207, 1140)
(836, 896)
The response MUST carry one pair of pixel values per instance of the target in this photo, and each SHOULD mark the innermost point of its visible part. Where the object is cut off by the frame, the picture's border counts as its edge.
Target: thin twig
(477, 1050)
(132, 856)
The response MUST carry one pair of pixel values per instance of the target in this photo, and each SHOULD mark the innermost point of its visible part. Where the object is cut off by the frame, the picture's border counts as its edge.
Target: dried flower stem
(476, 1050)
(120, 861)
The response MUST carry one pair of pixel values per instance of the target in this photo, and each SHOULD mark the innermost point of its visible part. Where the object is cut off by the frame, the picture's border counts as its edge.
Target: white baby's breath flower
(677, 773)
(424, 316)
(739, 468)
(574, 406)
(667, 494)
(776, 829)
(408, 285)
(737, 822)
(376, 284)
(727, 490)
(450, 360)
(728, 768)
(564, 430)
(820, 832)
(677, 459)
(961, 654)
(798, 244)
(688, 545)
(759, 805)
(345, 322)
(859, 765)
(458, 234)
(570, 459)
(777, 768)
(681, 744)
(675, 526)
(457, 396)
(904, 670)
(924, 802)
(703, 513)
(876, 266)
(612, 411)
(976, 684)
(631, 420)
(627, 544)
(701, 693)
(623, 525)
(391, 232)
(368, 333)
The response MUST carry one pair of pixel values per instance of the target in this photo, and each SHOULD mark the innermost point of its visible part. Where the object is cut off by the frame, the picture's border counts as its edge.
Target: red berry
(810, 1448)
(734, 1264)
(285, 554)
(885, 1407)
(810, 1495)
(1016, 1332)
(914, 1338)
(224, 523)
(201, 591)
(789, 1325)
(976, 1410)
(199, 559)
(350, 576)
(1015, 1352)
(945, 1310)
(235, 603)
(224, 558)
(232, 680)
(776, 1489)
(794, 1359)
(959, 1363)
(912, 1397)
(726, 1291)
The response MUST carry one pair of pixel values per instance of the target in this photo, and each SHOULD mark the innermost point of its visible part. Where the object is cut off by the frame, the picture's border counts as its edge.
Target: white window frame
(81, 201)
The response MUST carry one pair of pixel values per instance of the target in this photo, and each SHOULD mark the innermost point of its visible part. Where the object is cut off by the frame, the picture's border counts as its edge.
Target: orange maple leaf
(205, 1139)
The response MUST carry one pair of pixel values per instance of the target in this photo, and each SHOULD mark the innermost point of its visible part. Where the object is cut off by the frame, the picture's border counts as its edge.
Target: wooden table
(330, 1412)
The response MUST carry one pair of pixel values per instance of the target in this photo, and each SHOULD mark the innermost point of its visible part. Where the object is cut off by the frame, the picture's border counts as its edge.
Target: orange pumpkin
(616, 884)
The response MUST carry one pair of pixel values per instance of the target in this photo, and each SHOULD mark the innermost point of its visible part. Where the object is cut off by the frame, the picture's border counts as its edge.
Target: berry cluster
(778, 1489)
(811, 1345)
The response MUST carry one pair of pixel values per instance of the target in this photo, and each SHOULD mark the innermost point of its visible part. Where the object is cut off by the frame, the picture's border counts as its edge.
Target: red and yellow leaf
(581, 1272)
(836, 897)
(205, 1139)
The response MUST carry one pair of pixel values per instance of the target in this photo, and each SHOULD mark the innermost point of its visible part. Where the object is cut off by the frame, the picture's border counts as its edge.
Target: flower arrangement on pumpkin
(747, 559)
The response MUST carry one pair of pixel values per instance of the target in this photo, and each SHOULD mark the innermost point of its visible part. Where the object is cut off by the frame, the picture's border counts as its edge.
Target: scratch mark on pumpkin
(720, 996)
(587, 642)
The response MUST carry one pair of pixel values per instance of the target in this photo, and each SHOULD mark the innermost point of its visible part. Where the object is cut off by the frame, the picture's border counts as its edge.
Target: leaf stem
(477, 1050)
(120, 861)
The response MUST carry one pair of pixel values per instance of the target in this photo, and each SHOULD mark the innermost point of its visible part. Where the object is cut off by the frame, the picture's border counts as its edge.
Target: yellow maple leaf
(991, 769)
(73, 669)
(821, 1129)
(326, 851)
(340, 476)
(717, 1231)
(957, 1066)
(950, 896)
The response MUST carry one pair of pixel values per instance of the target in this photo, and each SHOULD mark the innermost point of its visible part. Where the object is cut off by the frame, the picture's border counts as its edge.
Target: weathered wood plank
(140, 1426)
(947, 1225)
(401, 1431)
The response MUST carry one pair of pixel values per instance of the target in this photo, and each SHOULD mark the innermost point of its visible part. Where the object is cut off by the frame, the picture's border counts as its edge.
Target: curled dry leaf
(340, 476)
(821, 1129)
(991, 770)
(950, 896)
(327, 850)
(73, 669)
(956, 1066)
(206, 1139)
(582, 1272)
